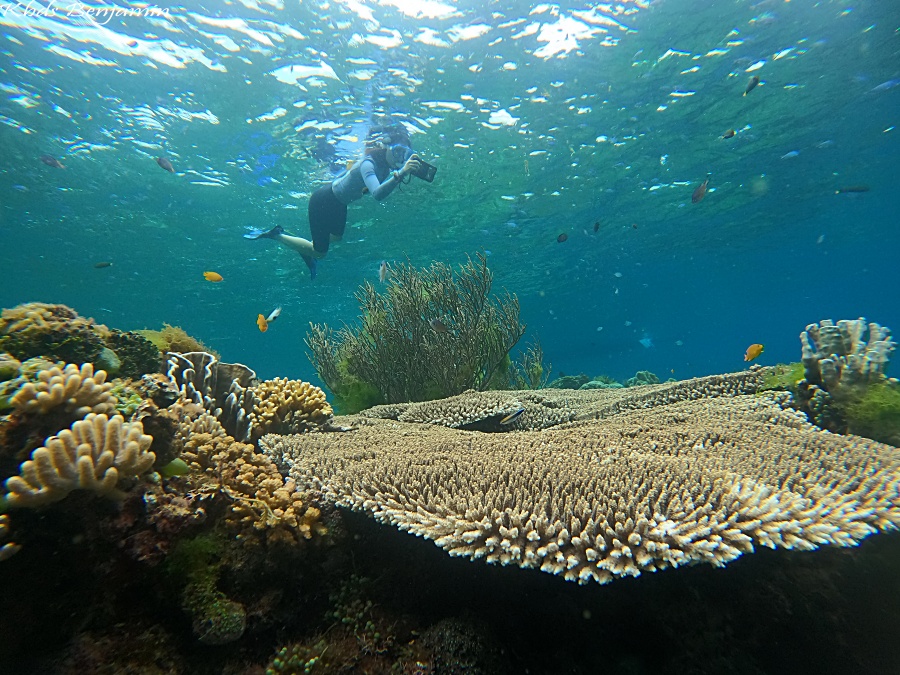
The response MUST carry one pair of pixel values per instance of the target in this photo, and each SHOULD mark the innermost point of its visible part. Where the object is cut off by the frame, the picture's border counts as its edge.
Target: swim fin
(265, 234)
(312, 264)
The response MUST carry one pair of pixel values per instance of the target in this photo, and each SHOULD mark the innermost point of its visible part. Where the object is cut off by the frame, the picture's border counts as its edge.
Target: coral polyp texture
(845, 354)
(77, 390)
(96, 454)
(283, 406)
(641, 484)
(263, 503)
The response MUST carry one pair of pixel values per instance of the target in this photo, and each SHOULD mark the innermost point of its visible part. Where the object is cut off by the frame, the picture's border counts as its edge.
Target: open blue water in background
(542, 119)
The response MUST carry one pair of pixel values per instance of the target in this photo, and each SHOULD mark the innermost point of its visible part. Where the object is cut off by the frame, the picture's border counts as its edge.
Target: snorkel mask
(397, 155)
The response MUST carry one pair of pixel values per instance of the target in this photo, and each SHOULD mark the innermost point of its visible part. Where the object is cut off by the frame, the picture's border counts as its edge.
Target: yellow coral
(174, 339)
(78, 390)
(264, 504)
(283, 406)
(93, 455)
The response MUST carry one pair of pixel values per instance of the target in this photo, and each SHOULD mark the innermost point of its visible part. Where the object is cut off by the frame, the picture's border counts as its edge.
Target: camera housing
(426, 171)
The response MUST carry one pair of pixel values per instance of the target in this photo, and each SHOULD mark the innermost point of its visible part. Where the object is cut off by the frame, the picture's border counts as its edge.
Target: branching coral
(844, 386)
(76, 390)
(283, 406)
(263, 502)
(96, 454)
(431, 334)
(662, 477)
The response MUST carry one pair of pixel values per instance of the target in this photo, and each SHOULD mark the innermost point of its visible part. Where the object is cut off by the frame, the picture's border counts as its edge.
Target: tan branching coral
(77, 390)
(96, 454)
(639, 490)
(263, 502)
(845, 354)
(486, 411)
(283, 406)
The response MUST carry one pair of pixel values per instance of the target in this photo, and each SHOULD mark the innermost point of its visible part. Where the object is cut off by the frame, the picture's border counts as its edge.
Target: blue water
(617, 126)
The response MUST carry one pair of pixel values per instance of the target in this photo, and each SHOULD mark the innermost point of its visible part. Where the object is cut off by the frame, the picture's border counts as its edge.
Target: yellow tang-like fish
(215, 277)
(262, 323)
(753, 351)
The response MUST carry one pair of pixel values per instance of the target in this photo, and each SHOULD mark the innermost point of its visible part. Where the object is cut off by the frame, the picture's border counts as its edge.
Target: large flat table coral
(639, 482)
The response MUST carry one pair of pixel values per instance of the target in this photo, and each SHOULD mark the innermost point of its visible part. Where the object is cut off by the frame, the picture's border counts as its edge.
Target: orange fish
(262, 323)
(700, 192)
(753, 351)
(215, 277)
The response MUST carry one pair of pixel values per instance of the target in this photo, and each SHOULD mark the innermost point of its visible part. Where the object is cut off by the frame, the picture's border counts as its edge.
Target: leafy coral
(430, 334)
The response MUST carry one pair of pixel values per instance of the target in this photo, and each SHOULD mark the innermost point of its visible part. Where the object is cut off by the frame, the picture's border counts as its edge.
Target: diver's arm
(376, 189)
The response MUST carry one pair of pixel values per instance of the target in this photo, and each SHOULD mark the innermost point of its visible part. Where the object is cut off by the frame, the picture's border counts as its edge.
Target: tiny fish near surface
(50, 160)
(165, 164)
(101, 265)
(751, 85)
(700, 192)
(215, 277)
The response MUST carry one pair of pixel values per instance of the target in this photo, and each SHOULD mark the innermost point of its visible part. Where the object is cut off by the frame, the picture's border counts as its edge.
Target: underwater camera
(426, 171)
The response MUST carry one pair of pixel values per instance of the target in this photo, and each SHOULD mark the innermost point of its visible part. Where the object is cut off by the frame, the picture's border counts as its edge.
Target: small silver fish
(382, 271)
(274, 314)
(512, 417)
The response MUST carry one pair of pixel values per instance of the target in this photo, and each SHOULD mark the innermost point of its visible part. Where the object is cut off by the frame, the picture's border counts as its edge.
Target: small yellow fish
(753, 351)
(215, 277)
(262, 323)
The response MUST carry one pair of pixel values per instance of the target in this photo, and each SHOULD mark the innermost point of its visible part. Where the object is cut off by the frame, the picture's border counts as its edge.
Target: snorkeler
(385, 163)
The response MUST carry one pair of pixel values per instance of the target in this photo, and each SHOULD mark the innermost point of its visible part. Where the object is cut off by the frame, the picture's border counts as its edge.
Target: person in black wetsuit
(386, 162)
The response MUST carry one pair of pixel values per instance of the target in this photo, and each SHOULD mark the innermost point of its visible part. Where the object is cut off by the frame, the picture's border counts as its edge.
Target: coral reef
(138, 355)
(216, 619)
(641, 378)
(674, 474)
(283, 406)
(57, 332)
(431, 334)
(845, 388)
(76, 390)
(174, 339)
(51, 331)
(96, 454)
(263, 502)
(840, 356)
(569, 382)
(484, 411)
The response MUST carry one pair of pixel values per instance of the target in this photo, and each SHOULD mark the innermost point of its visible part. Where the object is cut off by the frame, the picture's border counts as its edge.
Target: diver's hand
(412, 166)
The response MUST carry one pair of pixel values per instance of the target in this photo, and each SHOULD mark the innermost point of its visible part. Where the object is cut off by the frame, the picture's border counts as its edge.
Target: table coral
(660, 477)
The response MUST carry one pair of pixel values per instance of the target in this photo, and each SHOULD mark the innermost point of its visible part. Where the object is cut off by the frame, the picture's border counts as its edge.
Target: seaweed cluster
(429, 335)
